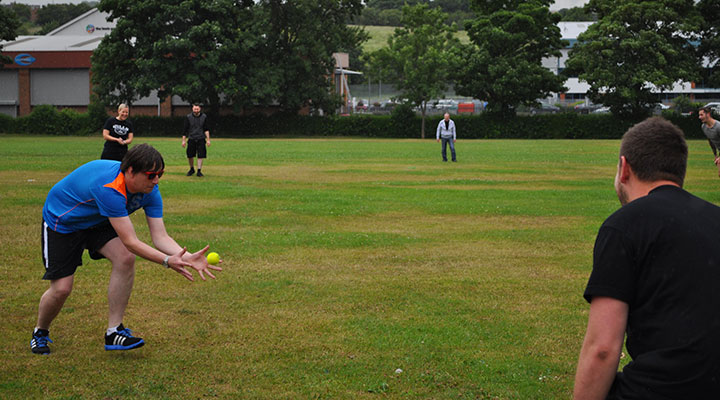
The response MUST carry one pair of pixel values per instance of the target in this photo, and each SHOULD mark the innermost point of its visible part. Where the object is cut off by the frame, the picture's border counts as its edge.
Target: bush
(71, 122)
(7, 124)
(403, 120)
(42, 120)
(402, 123)
(683, 104)
(157, 126)
(47, 120)
(97, 115)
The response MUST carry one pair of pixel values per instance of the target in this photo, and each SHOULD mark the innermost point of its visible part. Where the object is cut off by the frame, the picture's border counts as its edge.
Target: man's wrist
(165, 262)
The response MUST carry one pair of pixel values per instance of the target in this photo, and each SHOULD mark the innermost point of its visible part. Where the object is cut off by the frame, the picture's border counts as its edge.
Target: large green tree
(419, 57)
(239, 52)
(9, 24)
(503, 62)
(635, 48)
(299, 39)
(196, 49)
(576, 14)
(710, 45)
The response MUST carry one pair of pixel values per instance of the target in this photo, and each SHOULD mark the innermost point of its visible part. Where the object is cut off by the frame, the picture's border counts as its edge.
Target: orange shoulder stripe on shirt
(118, 184)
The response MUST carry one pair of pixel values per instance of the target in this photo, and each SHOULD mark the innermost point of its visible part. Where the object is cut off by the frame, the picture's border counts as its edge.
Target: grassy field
(346, 261)
(380, 34)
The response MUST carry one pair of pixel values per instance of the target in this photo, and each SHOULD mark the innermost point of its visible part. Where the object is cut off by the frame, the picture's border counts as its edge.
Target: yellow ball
(213, 258)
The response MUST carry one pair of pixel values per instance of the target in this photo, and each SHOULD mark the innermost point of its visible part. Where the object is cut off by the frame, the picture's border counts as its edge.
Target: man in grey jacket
(195, 136)
(446, 133)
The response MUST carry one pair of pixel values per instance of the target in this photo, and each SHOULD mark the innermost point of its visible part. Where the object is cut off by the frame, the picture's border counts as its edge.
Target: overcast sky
(567, 4)
(558, 3)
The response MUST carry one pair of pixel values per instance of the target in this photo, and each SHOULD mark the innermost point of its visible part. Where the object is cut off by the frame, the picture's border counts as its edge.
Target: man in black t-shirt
(196, 136)
(655, 278)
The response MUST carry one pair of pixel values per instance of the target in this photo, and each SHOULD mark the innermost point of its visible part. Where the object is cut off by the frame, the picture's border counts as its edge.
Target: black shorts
(116, 154)
(196, 147)
(62, 252)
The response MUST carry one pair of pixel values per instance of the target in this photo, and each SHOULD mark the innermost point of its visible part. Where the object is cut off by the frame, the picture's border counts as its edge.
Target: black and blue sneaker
(39, 342)
(122, 339)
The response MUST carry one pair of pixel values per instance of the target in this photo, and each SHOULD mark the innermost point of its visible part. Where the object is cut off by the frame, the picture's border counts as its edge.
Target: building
(577, 89)
(55, 69)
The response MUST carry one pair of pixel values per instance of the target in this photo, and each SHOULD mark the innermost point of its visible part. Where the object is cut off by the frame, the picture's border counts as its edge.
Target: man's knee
(125, 260)
(61, 288)
(121, 259)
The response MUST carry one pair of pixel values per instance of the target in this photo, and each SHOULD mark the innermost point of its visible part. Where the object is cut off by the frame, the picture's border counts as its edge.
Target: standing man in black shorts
(655, 280)
(196, 135)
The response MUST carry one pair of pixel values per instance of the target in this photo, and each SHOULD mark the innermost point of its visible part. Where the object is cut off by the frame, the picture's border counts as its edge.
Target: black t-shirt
(118, 129)
(660, 254)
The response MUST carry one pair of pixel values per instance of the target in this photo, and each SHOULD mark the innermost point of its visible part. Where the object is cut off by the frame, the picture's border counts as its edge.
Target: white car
(715, 106)
(601, 110)
(446, 104)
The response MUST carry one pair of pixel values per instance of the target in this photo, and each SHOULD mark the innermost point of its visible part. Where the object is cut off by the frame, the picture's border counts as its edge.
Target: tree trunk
(422, 124)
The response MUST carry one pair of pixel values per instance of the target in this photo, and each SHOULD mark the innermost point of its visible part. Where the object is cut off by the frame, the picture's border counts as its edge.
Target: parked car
(446, 104)
(385, 107)
(586, 108)
(715, 107)
(362, 105)
(602, 110)
(545, 108)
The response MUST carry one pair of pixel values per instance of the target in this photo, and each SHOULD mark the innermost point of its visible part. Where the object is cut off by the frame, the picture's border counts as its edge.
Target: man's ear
(624, 169)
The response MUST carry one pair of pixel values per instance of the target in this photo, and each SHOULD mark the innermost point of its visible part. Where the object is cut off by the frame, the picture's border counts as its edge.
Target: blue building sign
(24, 59)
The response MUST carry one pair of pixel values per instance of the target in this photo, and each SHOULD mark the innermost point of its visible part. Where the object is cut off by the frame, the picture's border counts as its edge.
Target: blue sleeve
(110, 202)
(153, 206)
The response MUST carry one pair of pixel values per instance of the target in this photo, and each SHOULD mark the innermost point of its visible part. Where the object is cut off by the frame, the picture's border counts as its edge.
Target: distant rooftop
(52, 43)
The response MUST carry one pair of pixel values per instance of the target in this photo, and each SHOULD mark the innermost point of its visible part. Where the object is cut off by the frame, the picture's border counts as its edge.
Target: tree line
(389, 12)
(247, 53)
(635, 49)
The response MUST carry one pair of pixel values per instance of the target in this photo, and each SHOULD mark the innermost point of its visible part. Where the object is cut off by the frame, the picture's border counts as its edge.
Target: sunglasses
(152, 175)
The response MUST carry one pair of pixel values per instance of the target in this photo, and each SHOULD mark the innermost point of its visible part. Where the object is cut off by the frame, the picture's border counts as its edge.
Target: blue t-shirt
(93, 193)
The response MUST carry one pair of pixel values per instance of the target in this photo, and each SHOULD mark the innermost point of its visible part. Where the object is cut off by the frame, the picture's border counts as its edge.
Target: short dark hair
(656, 150)
(706, 109)
(142, 158)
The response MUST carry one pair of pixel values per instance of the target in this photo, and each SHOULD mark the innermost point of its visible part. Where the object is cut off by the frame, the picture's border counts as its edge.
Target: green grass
(345, 259)
(379, 36)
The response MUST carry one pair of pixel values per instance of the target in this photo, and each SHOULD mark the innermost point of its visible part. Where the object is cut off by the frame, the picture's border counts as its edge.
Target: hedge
(402, 123)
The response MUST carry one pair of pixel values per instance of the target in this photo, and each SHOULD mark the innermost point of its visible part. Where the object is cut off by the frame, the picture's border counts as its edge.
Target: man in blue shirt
(89, 209)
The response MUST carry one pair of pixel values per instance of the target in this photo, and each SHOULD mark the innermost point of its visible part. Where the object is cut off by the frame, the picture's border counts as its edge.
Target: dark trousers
(445, 142)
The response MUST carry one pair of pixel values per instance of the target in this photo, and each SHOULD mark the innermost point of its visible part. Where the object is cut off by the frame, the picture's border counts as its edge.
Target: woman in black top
(118, 134)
